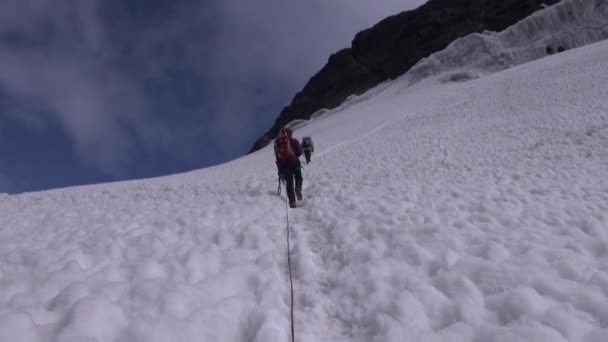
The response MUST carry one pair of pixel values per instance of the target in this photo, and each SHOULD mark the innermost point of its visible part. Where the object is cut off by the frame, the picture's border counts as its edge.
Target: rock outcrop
(391, 47)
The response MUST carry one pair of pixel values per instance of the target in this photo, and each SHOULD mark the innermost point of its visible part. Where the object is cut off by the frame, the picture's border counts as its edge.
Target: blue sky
(101, 90)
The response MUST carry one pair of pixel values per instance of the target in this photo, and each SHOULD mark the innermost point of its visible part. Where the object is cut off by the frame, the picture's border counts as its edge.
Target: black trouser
(307, 154)
(292, 171)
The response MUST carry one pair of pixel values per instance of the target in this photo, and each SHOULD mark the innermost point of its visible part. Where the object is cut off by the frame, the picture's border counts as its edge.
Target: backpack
(282, 147)
(307, 143)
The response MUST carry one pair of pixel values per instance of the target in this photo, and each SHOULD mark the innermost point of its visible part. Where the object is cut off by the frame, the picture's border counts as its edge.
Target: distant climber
(287, 151)
(308, 147)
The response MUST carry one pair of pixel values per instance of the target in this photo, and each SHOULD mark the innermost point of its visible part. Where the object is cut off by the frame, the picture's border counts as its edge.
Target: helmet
(288, 131)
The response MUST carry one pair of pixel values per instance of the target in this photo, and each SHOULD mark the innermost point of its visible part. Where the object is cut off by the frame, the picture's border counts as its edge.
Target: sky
(103, 90)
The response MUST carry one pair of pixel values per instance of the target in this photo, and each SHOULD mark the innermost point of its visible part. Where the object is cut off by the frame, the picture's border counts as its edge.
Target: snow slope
(474, 211)
(566, 25)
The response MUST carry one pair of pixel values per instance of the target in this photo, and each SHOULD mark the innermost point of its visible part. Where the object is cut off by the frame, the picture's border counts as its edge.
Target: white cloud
(287, 41)
(62, 64)
(294, 38)
(57, 65)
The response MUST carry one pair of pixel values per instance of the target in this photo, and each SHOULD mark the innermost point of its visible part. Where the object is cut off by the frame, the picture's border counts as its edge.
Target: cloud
(167, 77)
(94, 108)
(285, 41)
(291, 38)
(52, 58)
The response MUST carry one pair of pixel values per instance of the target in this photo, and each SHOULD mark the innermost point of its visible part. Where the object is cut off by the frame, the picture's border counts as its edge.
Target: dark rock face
(390, 48)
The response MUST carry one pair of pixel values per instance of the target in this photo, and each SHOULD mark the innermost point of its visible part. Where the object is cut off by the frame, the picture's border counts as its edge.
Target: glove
(281, 177)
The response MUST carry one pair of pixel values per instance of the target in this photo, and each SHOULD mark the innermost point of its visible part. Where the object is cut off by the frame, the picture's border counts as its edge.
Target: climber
(287, 151)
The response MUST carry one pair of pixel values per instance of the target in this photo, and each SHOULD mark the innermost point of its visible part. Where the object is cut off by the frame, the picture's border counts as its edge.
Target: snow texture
(460, 211)
(566, 25)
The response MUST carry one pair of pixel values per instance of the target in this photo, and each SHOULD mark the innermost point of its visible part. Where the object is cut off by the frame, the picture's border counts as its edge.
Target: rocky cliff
(393, 46)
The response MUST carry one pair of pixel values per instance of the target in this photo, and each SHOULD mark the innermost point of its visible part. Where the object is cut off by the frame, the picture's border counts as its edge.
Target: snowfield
(566, 25)
(443, 211)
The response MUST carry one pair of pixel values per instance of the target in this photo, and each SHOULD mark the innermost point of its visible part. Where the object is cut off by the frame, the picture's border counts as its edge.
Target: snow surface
(469, 211)
(568, 24)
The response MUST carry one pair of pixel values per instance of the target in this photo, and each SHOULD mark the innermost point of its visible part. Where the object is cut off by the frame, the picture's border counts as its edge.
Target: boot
(292, 204)
(299, 195)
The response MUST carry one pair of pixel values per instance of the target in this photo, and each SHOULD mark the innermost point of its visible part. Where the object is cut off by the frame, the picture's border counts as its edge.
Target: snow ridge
(566, 25)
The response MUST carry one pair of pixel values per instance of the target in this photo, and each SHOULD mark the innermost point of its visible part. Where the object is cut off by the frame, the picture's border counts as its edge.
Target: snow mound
(563, 26)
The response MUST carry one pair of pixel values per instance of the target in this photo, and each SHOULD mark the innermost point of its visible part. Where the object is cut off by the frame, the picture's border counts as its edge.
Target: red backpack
(282, 147)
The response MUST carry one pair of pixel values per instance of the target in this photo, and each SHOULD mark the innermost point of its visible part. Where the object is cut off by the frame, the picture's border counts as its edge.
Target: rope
(293, 335)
